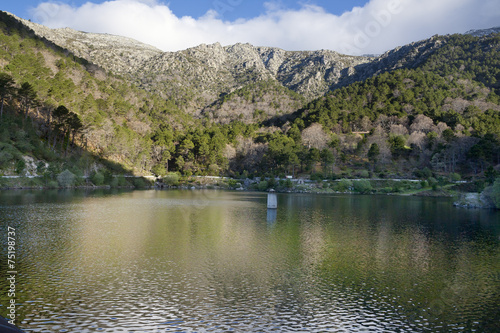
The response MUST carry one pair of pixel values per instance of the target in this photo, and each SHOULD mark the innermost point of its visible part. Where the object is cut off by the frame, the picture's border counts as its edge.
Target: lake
(212, 261)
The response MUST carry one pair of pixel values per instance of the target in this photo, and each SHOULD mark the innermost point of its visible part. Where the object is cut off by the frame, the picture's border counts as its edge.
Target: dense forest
(60, 113)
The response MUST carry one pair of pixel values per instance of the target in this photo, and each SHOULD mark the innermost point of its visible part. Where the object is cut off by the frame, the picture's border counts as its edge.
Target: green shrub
(362, 186)
(316, 177)
(122, 181)
(25, 146)
(490, 174)
(479, 185)
(48, 155)
(5, 135)
(213, 169)
(20, 166)
(41, 168)
(233, 183)
(343, 185)
(455, 177)
(53, 170)
(385, 190)
(114, 182)
(397, 187)
(364, 174)
(66, 178)
(97, 178)
(34, 182)
(140, 182)
(263, 185)
(171, 179)
(108, 176)
(5, 157)
(52, 184)
(426, 172)
(159, 170)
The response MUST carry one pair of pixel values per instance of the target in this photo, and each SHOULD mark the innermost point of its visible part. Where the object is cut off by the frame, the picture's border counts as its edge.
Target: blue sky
(351, 26)
(232, 9)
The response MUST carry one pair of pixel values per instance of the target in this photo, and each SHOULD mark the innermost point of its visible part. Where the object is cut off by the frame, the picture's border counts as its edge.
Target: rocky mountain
(198, 76)
(211, 70)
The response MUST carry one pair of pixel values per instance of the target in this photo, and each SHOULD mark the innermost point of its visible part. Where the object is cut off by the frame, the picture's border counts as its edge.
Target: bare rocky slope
(117, 54)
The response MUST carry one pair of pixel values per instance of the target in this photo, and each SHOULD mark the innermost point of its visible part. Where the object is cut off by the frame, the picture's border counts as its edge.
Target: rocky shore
(475, 200)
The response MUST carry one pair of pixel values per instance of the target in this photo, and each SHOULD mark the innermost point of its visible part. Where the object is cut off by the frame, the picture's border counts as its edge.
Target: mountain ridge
(203, 73)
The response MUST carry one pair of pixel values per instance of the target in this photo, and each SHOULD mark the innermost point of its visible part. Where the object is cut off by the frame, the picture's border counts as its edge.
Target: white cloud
(375, 28)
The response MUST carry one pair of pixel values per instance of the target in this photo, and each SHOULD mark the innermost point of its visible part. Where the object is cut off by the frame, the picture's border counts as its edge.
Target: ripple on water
(159, 266)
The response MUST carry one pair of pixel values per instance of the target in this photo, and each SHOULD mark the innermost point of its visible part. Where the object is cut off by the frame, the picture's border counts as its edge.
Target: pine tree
(28, 97)
(6, 89)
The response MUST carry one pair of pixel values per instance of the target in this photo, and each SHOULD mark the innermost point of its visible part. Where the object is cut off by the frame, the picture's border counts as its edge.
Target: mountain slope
(120, 55)
(117, 118)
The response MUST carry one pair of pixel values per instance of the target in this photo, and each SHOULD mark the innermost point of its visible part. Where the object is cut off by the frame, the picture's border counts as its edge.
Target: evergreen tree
(60, 114)
(373, 153)
(74, 126)
(6, 89)
(28, 96)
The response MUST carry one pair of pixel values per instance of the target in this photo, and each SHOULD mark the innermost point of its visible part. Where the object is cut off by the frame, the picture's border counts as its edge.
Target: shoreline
(462, 199)
(426, 193)
(468, 200)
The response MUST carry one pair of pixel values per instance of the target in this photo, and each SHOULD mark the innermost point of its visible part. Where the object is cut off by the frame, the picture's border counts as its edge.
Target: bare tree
(315, 137)
(423, 124)
(398, 130)
(417, 139)
(380, 138)
(441, 127)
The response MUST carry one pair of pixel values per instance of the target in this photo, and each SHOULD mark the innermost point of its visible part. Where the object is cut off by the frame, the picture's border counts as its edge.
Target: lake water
(212, 261)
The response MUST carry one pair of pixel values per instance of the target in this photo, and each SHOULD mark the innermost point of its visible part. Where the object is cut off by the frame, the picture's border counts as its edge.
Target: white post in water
(272, 201)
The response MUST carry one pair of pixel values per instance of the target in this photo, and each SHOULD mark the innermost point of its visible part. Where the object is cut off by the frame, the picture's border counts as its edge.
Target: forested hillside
(62, 112)
(106, 117)
(443, 115)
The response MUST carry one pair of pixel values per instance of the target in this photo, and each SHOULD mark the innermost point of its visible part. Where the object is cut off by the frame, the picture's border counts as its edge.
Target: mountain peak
(483, 32)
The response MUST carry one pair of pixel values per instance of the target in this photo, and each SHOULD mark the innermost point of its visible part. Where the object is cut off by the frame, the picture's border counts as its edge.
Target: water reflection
(150, 261)
(272, 215)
